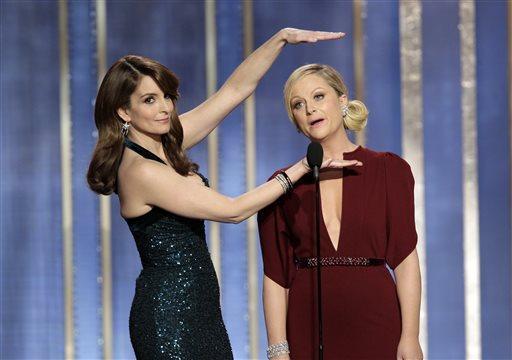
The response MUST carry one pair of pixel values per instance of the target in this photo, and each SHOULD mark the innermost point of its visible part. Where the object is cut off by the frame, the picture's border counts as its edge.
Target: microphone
(315, 156)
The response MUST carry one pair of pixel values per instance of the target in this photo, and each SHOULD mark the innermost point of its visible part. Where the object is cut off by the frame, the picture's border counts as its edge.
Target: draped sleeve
(277, 252)
(401, 229)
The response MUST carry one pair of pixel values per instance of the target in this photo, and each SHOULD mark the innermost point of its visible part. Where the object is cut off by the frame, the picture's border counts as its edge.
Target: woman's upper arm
(159, 185)
(201, 120)
(402, 236)
(277, 252)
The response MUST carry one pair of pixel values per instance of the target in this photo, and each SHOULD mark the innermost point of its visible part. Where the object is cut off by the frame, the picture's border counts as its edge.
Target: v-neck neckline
(343, 204)
(322, 219)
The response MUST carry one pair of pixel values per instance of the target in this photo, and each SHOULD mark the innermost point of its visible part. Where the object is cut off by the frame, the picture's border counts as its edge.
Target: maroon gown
(361, 311)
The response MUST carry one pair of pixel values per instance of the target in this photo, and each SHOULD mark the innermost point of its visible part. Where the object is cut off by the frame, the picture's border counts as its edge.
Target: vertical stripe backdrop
(435, 75)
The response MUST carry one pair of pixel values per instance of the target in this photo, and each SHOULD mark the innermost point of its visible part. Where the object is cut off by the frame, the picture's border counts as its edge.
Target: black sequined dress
(175, 313)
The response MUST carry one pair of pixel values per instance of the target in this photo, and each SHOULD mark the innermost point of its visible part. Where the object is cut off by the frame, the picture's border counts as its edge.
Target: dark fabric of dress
(175, 313)
(361, 311)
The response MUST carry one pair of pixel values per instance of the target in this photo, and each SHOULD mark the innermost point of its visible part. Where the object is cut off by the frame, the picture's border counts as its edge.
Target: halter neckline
(149, 155)
(142, 151)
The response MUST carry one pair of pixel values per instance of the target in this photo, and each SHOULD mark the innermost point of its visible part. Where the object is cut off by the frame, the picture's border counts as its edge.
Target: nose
(166, 106)
(310, 110)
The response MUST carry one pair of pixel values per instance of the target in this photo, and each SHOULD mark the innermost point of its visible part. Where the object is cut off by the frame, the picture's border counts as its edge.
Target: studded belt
(338, 261)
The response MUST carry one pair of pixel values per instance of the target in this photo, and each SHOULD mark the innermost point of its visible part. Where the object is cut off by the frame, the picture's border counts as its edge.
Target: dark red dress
(361, 311)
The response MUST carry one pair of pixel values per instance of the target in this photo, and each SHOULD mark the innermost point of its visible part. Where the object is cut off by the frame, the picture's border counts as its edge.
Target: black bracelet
(282, 181)
(290, 184)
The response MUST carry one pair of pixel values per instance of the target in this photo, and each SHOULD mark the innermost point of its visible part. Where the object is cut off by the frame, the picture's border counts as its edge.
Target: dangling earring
(125, 128)
(344, 110)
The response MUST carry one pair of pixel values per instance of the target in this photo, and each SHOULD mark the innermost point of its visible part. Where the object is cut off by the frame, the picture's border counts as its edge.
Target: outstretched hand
(333, 164)
(295, 36)
(338, 164)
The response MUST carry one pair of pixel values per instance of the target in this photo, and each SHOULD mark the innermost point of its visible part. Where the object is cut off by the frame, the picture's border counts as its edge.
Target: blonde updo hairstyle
(357, 114)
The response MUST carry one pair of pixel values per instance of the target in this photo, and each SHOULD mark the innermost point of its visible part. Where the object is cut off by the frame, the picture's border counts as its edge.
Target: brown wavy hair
(114, 93)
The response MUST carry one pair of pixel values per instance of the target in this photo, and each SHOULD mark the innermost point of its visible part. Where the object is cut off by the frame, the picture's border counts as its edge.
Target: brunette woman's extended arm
(154, 184)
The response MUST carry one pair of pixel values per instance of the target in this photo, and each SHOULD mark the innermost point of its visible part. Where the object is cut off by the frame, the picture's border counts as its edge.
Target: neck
(335, 145)
(151, 142)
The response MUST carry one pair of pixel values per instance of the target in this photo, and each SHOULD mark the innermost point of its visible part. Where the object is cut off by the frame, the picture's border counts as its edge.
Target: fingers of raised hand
(295, 36)
(326, 35)
(314, 36)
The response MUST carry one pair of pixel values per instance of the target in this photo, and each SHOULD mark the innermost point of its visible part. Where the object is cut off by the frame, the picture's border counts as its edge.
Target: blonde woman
(367, 221)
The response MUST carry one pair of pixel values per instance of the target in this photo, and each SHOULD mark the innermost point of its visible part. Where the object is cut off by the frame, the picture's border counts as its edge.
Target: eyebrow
(154, 94)
(315, 89)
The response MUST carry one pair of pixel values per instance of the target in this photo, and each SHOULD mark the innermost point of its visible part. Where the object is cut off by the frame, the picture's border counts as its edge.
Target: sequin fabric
(176, 310)
(175, 313)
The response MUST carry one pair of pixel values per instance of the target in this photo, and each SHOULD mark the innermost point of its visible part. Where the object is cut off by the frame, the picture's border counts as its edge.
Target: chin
(164, 131)
(318, 137)
(156, 132)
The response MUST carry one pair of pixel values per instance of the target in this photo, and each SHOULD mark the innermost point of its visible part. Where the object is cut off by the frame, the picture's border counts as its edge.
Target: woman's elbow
(234, 214)
(237, 219)
(239, 90)
(234, 220)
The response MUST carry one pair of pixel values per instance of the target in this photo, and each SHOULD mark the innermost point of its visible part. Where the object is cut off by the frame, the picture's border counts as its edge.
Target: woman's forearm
(408, 283)
(252, 201)
(275, 304)
(200, 121)
(245, 78)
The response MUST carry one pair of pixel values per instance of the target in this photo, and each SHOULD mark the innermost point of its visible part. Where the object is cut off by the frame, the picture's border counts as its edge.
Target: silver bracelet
(288, 180)
(284, 183)
(281, 182)
(278, 349)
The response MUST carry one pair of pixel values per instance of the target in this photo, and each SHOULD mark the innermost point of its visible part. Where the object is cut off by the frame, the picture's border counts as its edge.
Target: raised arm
(200, 121)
